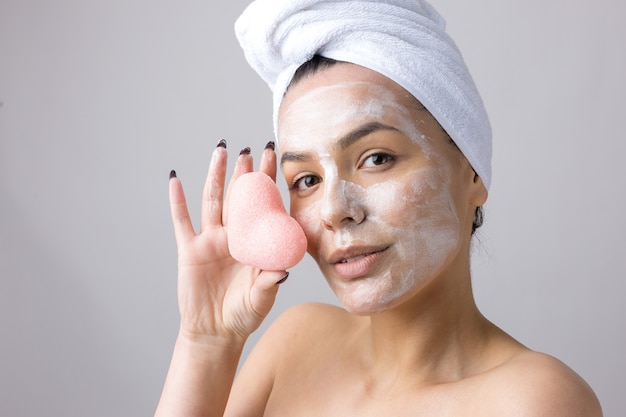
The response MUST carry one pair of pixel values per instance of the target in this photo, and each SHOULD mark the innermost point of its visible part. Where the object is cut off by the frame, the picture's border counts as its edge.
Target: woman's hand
(217, 296)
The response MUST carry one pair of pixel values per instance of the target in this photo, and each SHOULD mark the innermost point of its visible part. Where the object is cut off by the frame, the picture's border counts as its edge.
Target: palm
(216, 294)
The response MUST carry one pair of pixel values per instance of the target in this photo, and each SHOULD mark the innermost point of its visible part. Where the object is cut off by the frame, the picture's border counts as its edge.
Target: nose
(342, 205)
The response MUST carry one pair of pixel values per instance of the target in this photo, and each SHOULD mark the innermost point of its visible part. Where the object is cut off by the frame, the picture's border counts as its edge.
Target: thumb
(264, 290)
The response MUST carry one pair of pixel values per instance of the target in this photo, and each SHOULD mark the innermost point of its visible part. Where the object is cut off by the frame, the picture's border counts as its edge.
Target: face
(374, 182)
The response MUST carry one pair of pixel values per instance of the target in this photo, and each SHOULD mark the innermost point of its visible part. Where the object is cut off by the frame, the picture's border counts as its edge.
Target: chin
(378, 293)
(367, 304)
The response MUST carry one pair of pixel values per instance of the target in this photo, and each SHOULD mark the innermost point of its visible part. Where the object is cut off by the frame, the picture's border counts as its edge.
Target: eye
(376, 159)
(304, 182)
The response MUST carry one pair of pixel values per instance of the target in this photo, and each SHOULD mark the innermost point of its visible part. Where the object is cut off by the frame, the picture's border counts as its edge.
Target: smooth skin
(221, 302)
(425, 351)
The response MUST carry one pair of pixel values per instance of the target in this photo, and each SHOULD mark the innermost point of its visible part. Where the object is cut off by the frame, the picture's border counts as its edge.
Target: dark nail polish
(270, 145)
(221, 144)
(283, 279)
(245, 151)
(172, 174)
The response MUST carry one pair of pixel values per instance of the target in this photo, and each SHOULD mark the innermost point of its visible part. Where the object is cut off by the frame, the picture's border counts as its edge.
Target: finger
(243, 164)
(268, 160)
(264, 290)
(213, 194)
(183, 228)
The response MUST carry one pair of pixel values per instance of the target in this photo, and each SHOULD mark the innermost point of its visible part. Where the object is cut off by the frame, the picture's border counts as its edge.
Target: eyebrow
(343, 143)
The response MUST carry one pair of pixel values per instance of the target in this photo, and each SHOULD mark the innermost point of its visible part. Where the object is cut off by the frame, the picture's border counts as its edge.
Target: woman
(388, 196)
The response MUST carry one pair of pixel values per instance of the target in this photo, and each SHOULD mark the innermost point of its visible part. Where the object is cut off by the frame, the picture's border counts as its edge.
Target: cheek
(414, 198)
(420, 212)
(308, 217)
(426, 219)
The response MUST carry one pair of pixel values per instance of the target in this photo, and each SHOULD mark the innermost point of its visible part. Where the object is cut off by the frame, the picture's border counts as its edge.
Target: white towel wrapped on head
(405, 40)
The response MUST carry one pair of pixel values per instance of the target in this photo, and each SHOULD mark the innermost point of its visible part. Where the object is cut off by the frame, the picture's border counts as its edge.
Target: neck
(438, 336)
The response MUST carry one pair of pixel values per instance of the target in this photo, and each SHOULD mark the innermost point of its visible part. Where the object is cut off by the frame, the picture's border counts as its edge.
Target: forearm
(200, 377)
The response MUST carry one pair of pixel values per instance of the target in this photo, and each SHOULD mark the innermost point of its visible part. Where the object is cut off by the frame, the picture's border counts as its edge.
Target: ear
(478, 192)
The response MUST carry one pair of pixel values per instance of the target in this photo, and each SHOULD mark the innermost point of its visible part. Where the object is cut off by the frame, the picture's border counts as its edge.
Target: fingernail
(283, 279)
(270, 145)
(172, 174)
(221, 144)
(245, 151)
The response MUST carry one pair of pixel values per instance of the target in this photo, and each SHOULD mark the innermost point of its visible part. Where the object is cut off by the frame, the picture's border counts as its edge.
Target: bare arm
(200, 376)
(221, 301)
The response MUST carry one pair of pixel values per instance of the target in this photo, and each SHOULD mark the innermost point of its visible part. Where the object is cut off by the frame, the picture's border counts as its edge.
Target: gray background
(100, 99)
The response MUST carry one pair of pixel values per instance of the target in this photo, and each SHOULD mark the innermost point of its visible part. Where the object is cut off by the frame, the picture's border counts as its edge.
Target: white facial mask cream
(412, 215)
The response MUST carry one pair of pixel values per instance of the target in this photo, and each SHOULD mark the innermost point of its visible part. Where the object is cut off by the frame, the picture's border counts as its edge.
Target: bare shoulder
(298, 326)
(304, 335)
(296, 336)
(535, 384)
(314, 316)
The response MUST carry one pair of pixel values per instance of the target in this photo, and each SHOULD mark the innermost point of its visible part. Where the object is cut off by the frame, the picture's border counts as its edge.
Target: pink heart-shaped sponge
(260, 232)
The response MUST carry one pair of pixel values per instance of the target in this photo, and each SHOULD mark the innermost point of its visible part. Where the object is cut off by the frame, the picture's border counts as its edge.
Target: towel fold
(405, 40)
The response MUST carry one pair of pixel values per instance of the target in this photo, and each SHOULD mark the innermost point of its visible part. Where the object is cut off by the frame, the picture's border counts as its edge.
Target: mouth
(356, 262)
(356, 258)
(353, 254)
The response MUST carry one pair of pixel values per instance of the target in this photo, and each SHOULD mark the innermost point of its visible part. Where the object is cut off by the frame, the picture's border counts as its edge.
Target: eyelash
(295, 184)
(297, 181)
(388, 158)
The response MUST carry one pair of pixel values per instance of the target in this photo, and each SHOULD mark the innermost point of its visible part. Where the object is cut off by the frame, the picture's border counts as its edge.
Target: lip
(355, 262)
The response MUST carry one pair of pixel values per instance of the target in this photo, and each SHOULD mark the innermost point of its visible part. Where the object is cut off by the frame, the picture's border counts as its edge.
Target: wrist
(202, 342)
(201, 374)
